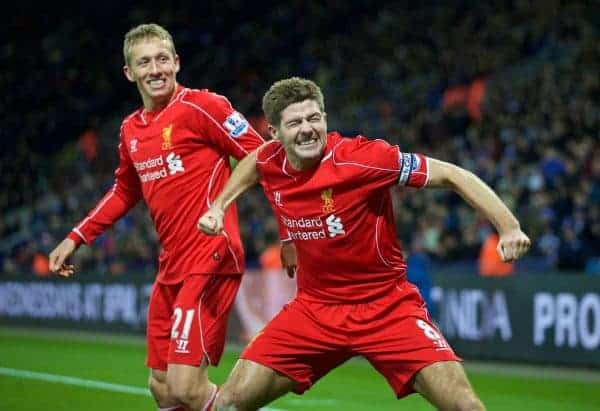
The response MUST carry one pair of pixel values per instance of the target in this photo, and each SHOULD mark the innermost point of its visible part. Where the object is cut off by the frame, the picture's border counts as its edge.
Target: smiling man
(173, 153)
(332, 194)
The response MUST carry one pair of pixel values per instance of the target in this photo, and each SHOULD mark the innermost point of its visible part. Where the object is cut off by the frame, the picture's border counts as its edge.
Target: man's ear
(273, 132)
(177, 63)
(128, 73)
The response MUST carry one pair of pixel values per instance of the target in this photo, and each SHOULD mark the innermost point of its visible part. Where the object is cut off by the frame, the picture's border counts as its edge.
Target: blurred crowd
(507, 89)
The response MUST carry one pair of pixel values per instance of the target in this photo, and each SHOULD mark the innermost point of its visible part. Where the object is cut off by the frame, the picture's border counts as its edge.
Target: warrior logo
(182, 346)
(133, 145)
(278, 199)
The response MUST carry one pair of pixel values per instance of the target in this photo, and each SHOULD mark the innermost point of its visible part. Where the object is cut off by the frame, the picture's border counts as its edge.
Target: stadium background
(507, 89)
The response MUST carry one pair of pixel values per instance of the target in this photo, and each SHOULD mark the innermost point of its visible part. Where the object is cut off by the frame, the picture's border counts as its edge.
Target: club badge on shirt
(327, 197)
(166, 136)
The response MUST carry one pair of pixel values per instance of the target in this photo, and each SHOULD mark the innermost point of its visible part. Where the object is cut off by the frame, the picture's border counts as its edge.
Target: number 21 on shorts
(187, 324)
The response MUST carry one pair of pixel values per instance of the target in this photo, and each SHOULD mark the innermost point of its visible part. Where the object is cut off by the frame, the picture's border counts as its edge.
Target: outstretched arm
(244, 176)
(117, 201)
(513, 242)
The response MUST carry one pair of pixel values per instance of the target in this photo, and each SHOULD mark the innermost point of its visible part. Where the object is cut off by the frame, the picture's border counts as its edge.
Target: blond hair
(289, 91)
(145, 32)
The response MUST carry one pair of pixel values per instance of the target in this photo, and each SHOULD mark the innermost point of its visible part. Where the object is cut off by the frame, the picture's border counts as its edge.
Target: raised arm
(244, 176)
(513, 242)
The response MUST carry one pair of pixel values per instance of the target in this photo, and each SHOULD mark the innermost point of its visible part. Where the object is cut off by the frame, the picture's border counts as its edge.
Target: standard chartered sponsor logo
(304, 228)
(334, 226)
(302, 222)
(175, 163)
(149, 170)
(313, 228)
(149, 163)
(153, 175)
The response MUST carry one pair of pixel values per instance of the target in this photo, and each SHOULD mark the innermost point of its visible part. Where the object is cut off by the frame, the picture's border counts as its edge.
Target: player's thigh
(446, 386)
(158, 376)
(157, 381)
(159, 388)
(183, 378)
(251, 385)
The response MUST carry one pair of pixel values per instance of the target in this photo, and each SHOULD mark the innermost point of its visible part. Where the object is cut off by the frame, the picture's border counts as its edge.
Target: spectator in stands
(490, 263)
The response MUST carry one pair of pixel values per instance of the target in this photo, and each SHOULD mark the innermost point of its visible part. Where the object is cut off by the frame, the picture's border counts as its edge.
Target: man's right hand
(59, 255)
(211, 223)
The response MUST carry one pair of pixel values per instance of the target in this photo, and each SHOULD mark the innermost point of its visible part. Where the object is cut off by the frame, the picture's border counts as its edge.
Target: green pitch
(41, 370)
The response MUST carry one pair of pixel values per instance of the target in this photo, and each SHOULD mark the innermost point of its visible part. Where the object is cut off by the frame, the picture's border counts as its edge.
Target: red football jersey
(177, 159)
(340, 215)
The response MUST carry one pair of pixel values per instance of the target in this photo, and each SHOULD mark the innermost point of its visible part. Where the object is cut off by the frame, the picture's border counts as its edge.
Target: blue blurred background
(507, 89)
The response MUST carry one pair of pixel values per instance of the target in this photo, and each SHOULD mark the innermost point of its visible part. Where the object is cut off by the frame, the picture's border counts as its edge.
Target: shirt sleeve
(380, 164)
(284, 234)
(414, 169)
(124, 194)
(227, 129)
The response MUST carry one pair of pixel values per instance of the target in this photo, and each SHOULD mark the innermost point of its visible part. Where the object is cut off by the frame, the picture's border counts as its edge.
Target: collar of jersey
(150, 116)
(291, 171)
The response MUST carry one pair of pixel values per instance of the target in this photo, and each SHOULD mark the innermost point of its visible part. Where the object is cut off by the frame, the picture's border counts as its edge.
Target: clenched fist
(513, 245)
(211, 223)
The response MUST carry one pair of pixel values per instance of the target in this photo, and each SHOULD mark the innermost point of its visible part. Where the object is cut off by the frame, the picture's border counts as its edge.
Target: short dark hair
(286, 92)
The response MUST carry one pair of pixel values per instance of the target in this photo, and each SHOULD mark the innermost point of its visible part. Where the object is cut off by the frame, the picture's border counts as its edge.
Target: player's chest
(162, 150)
(319, 200)
(326, 191)
(322, 207)
(322, 213)
(159, 139)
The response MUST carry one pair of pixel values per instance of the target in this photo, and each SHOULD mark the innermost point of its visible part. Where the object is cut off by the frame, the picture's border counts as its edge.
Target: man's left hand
(513, 245)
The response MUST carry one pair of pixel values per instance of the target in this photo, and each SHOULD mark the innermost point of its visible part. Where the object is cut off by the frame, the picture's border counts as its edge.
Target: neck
(301, 165)
(158, 104)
